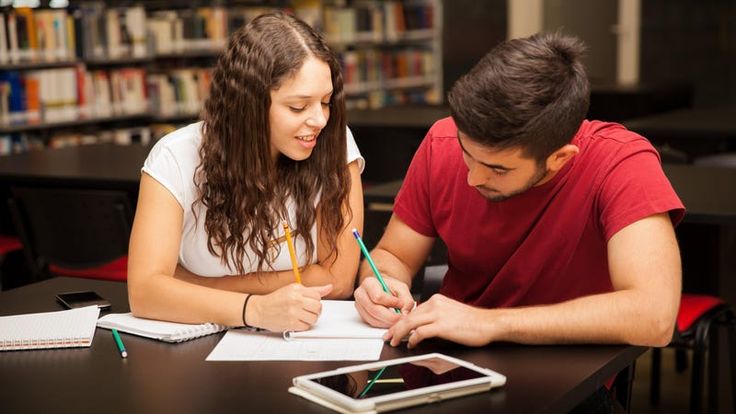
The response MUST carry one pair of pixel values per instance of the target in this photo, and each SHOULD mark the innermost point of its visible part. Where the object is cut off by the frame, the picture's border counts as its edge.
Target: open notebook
(338, 335)
(62, 329)
(160, 330)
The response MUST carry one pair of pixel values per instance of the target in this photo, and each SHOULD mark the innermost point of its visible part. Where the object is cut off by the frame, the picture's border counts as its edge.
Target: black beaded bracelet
(245, 306)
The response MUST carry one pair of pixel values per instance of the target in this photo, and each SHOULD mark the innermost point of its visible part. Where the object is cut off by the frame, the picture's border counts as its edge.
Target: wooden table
(162, 377)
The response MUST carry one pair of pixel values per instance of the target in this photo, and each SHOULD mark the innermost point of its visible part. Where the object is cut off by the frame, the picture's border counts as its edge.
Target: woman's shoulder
(178, 149)
(184, 139)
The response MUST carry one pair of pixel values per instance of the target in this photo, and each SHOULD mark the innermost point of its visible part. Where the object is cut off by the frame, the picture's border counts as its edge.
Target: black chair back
(71, 228)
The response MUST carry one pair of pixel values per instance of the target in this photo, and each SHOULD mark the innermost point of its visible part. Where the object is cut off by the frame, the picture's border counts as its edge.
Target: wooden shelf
(31, 65)
(370, 39)
(23, 127)
(104, 61)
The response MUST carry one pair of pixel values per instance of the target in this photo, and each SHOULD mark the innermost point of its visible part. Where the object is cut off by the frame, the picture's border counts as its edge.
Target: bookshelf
(99, 68)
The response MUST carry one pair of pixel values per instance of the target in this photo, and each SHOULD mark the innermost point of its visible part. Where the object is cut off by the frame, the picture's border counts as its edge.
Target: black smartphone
(81, 299)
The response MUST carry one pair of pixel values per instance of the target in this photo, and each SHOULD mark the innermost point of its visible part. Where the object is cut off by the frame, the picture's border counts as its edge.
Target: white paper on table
(338, 335)
(240, 345)
(339, 319)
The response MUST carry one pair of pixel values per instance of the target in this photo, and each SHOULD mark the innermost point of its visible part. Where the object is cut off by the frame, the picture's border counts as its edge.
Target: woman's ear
(559, 158)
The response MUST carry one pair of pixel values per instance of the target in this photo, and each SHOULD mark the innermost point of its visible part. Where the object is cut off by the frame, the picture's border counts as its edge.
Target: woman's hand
(291, 308)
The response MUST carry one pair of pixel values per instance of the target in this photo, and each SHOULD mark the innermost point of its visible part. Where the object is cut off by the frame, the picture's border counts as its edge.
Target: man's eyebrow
(494, 166)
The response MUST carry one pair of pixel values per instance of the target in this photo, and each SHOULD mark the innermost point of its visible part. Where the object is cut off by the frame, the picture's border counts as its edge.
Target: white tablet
(397, 383)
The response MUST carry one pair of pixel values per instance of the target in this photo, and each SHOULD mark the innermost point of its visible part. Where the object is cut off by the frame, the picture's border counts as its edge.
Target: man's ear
(559, 158)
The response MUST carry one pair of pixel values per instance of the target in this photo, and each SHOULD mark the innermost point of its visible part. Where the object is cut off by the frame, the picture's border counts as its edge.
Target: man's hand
(445, 318)
(376, 307)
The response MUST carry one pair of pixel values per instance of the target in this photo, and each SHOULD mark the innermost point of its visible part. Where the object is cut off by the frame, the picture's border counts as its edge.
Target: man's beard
(492, 195)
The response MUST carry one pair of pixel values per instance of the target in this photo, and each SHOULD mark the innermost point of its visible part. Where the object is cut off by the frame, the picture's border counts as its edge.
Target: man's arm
(644, 264)
(399, 255)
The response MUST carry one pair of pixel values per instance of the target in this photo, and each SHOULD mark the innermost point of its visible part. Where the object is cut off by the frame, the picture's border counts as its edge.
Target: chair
(8, 245)
(697, 316)
(73, 232)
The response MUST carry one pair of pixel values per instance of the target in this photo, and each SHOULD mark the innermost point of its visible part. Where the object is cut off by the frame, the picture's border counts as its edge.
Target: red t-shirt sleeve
(412, 204)
(634, 189)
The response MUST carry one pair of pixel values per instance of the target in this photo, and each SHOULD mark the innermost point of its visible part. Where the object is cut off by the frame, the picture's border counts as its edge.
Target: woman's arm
(340, 272)
(154, 291)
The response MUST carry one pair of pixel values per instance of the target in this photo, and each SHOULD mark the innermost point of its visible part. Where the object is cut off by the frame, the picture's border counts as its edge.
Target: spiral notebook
(160, 330)
(62, 329)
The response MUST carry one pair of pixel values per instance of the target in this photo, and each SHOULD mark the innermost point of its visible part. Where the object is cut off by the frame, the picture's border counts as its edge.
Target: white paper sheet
(339, 319)
(240, 345)
(338, 335)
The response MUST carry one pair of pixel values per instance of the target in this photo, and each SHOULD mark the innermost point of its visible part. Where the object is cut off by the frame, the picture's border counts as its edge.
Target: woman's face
(300, 108)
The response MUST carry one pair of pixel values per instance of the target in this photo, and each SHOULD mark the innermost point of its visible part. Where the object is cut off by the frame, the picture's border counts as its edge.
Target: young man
(558, 229)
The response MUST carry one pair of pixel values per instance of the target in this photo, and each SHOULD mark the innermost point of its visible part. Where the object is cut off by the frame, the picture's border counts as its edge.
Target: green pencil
(372, 264)
(121, 347)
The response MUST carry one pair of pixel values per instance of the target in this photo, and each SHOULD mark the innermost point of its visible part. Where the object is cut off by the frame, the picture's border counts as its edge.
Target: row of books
(377, 21)
(72, 93)
(373, 66)
(381, 98)
(180, 91)
(94, 31)
(27, 34)
(97, 30)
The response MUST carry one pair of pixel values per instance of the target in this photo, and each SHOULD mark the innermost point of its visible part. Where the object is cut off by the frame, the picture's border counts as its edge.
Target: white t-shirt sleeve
(354, 152)
(162, 165)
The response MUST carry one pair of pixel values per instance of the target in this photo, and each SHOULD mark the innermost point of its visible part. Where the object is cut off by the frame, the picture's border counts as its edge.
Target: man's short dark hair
(529, 93)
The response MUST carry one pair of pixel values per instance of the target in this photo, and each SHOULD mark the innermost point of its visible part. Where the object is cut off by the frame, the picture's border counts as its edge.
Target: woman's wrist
(251, 317)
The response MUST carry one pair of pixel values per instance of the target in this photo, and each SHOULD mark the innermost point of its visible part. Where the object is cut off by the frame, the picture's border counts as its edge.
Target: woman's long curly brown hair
(243, 191)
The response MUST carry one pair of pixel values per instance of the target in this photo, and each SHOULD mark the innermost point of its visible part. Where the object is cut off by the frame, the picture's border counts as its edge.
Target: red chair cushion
(116, 270)
(692, 307)
(9, 244)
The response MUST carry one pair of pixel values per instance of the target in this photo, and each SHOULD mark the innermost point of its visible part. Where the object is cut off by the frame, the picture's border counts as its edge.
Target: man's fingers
(403, 327)
(382, 316)
(379, 297)
(366, 316)
(421, 333)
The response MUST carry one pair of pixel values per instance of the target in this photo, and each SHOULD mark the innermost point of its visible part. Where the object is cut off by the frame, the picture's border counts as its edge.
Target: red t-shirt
(548, 244)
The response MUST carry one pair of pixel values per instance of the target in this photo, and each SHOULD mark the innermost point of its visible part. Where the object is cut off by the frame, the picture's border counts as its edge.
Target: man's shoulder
(443, 129)
(609, 139)
(610, 133)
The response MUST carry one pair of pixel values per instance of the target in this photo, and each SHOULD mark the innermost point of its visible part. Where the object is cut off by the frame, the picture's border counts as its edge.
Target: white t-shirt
(172, 162)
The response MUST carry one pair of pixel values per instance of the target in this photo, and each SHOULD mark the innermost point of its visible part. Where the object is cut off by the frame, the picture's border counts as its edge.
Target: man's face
(499, 174)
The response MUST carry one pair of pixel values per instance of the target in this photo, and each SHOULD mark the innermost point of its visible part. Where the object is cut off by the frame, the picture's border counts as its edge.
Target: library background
(121, 74)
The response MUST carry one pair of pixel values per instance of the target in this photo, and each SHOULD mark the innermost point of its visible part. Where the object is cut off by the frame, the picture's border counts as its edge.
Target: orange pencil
(292, 253)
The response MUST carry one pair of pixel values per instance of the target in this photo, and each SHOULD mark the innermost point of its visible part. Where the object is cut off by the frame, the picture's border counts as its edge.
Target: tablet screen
(396, 378)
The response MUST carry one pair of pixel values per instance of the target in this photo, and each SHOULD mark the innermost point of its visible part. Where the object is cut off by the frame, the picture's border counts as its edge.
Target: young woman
(208, 243)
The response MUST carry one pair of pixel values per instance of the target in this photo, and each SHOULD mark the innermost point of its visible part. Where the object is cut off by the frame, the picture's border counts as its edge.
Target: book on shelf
(63, 329)
(70, 93)
(181, 91)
